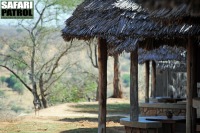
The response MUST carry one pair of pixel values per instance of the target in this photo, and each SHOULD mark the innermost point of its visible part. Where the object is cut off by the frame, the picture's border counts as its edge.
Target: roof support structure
(191, 86)
(134, 106)
(102, 62)
(198, 64)
(153, 78)
(146, 81)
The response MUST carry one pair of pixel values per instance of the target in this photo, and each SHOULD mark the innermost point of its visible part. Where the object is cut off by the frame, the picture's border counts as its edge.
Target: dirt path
(69, 110)
(64, 118)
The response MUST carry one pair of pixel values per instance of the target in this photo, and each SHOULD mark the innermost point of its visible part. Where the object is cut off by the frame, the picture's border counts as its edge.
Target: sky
(62, 17)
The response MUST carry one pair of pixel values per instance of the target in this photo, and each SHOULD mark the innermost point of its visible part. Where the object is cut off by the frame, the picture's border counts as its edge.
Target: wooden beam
(194, 82)
(191, 87)
(198, 63)
(146, 81)
(153, 78)
(134, 113)
(102, 62)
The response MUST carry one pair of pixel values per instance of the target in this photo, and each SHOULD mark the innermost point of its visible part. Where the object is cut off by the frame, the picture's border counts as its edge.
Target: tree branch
(90, 54)
(56, 62)
(17, 77)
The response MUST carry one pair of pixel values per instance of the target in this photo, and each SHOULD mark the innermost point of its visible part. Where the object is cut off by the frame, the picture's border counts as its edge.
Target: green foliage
(1, 93)
(11, 81)
(19, 30)
(18, 87)
(68, 3)
(126, 79)
(3, 79)
(16, 108)
(60, 93)
(20, 66)
(15, 84)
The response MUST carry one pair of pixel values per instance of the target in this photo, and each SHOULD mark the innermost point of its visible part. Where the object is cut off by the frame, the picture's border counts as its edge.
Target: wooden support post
(134, 113)
(198, 63)
(191, 87)
(146, 81)
(102, 60)
(153, 79)
(194, 83)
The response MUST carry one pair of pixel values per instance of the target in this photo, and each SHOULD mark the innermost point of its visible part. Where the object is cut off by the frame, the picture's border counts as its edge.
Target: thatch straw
(125, 24)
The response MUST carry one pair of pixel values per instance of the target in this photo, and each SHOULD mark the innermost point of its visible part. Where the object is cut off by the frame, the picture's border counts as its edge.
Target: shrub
(126, 79)
(3, 79)
(18, 87)
(60, 93)
(17, 109)
(11, 81)
(1, 93)
(15, 84)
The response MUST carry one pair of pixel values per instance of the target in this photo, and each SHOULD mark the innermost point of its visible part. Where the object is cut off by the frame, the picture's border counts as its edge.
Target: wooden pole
(198, 63)
(153, 79)
(102, 62)
(194, 82)
(134, 113)
(191, 87)
(146, 81)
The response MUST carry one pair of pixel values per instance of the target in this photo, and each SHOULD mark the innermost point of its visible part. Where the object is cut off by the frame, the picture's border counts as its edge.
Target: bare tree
(92, 54)
(32, 50)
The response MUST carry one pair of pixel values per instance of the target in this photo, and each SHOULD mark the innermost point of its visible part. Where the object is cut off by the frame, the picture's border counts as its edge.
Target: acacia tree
(32, 51)
(117, 90)
(92, 54)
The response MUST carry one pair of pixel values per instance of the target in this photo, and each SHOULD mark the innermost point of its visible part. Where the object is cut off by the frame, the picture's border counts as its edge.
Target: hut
(165, 59)
(123, 25)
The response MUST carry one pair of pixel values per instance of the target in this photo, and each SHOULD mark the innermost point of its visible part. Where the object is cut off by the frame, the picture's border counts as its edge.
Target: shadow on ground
(89, 119)
(94, 130)
(118, 108)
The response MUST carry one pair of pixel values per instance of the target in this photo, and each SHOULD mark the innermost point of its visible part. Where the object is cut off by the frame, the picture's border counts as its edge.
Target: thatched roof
(163, 53)
(125, 24)
(178, 8)
(177, 66)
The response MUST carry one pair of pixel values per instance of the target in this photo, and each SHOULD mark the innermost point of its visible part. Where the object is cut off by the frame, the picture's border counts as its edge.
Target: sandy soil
(64, 115)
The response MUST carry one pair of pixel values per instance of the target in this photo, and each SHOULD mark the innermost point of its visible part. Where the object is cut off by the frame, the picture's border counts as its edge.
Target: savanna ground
(67, 118)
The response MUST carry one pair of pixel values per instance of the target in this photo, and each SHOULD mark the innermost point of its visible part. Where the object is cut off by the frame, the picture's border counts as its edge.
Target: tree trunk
(35, 95)
(102, 62)
(117, 91)
(153, 93)
(43, 98)
(32, 77)
(134, 113)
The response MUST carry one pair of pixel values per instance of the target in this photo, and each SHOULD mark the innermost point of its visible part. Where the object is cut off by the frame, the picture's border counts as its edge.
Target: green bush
(3, 79)
(126, 79)
(11, 81)
(17, 109)
(1, 93)
(15, 84)
(18, 87)
(60, 93)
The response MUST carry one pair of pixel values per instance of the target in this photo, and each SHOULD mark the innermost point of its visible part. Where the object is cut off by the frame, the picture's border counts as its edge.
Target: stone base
(140, 126)
(140, 130)
(156, 109)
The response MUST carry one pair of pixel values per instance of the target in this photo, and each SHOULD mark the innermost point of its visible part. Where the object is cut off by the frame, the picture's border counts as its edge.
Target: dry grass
(74, 122)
